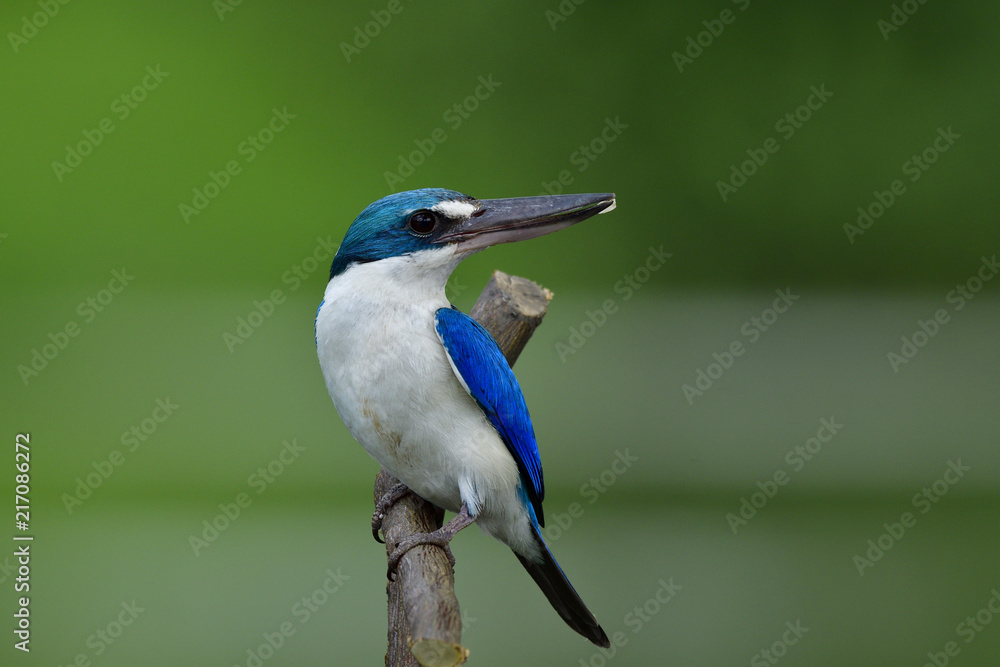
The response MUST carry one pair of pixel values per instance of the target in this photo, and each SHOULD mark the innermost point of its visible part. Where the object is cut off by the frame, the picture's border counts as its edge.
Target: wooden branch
(423, 592)
(425, 627)
(511, 308)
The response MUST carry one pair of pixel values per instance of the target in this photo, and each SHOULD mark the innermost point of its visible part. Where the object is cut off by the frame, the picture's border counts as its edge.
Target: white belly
(390, 379)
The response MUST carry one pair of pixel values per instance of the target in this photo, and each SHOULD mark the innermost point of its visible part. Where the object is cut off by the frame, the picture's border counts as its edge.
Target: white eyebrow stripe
(454, 209)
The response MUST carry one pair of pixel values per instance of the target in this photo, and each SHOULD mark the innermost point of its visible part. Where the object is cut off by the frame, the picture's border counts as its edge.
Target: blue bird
(424, 388)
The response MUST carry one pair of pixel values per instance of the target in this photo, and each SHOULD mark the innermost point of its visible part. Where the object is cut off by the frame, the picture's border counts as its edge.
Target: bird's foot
(441, 537)
(390, 498)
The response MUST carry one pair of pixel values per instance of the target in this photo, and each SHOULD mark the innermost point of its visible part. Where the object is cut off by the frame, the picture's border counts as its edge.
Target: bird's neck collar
(414, 278)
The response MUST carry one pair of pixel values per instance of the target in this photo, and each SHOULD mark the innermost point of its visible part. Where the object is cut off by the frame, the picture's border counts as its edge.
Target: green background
(62, 234)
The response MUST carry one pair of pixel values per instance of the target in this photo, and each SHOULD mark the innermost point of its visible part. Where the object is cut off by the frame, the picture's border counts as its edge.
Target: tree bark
(425, 627)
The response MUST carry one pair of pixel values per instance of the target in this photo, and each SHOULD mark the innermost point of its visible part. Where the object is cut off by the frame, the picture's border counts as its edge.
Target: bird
(425, 389)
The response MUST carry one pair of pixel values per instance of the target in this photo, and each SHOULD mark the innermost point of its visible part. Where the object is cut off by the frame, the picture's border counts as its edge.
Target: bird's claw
(415, 541)
(390, 498)
(377, 518)
(441, 537)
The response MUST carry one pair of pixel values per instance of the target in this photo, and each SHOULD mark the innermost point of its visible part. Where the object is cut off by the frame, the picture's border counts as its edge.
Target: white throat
(415, 278)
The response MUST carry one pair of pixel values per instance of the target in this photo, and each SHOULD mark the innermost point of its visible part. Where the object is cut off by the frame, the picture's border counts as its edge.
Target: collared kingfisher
(424, 388)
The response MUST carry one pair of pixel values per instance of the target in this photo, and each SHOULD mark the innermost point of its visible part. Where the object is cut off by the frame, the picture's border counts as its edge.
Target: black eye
(422, 223)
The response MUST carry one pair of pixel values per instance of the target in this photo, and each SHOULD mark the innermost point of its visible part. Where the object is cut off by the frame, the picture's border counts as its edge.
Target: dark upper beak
(505, 220)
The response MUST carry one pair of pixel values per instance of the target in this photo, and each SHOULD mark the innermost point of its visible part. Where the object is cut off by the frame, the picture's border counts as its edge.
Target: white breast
(391, 381)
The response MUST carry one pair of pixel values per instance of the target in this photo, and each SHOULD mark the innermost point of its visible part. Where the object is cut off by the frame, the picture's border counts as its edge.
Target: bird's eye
(422, 223)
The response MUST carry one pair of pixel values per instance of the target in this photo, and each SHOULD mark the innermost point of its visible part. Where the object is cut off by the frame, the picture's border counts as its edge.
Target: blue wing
(487, 375)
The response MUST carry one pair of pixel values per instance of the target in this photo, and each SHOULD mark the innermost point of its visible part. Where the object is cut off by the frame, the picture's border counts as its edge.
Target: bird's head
(434, 219)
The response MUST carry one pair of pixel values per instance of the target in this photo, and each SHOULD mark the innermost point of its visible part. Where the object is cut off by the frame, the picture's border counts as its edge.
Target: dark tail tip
(561, 594)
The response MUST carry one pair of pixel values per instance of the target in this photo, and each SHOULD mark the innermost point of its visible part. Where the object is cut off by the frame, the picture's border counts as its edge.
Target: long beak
(505, 220)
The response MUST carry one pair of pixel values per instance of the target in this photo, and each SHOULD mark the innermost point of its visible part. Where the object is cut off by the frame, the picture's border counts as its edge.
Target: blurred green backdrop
(169, 166)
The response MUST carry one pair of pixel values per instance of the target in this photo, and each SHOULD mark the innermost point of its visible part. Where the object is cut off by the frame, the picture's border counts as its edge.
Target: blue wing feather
(486, 373)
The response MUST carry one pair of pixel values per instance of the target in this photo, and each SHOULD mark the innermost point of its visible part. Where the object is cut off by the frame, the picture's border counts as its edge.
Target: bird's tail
(561, 594)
